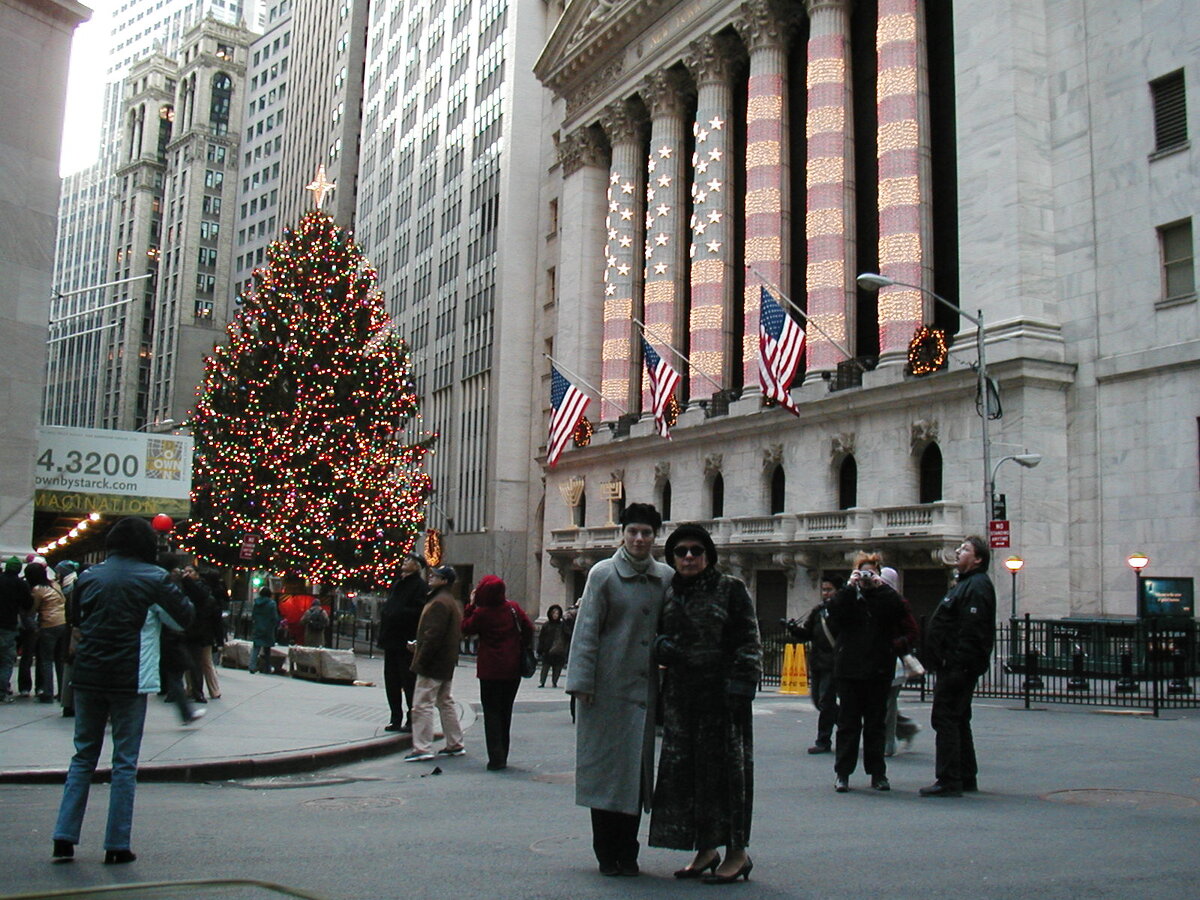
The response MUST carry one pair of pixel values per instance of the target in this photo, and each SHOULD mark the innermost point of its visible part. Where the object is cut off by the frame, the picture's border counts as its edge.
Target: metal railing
(1136, 664)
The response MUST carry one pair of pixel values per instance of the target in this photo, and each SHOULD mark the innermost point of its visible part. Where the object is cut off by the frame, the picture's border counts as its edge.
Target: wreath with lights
(672, 411)
(433, 547)
(927, 351)
(582, 436)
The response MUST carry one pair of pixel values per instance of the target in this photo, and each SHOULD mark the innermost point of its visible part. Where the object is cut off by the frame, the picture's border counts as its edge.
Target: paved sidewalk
(261, 725)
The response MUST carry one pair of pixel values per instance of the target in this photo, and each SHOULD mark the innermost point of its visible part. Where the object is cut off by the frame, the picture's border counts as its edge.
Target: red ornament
(162, 522)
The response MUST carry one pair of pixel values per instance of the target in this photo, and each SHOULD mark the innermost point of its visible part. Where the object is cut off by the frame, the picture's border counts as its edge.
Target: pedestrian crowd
(672, 645)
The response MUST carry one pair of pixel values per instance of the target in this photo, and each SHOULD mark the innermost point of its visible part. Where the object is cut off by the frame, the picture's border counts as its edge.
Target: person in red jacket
(503, 628)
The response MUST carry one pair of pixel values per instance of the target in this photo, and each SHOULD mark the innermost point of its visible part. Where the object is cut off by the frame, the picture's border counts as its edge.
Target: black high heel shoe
(689, 872)
(743, 872)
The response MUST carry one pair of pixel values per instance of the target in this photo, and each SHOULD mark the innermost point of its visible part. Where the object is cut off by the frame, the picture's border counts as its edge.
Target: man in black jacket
(15, 601)
(397, 626)
(816, 631)
(958, 645)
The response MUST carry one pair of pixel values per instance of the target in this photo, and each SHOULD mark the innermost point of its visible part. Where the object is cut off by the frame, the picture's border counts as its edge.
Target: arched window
(778, 483)
(166, 119)
(718, 496)
(218, 110)
(581, 511)
(664, 501)
(848, 483)
(931, 474)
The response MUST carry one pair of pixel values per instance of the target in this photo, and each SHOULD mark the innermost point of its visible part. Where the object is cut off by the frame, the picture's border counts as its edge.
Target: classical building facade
(1027, 163)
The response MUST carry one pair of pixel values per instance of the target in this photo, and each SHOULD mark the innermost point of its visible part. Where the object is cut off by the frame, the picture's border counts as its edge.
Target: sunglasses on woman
(690, 550)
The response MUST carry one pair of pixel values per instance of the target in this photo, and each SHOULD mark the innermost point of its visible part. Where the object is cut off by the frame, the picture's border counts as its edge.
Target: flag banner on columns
(568, 404)
(780, 345)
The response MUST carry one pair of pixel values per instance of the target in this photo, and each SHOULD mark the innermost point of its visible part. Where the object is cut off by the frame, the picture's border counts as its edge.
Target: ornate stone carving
(597, 84)
(712, 464)
(621, 123)
(924, 432)
(664, 92)
(582, 147)
(842, 444)
(772, 456)
(764, 23)
(711, 58)
(662, 471)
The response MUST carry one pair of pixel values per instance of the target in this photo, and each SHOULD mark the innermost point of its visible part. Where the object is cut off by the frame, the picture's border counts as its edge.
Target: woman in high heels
(709, 650)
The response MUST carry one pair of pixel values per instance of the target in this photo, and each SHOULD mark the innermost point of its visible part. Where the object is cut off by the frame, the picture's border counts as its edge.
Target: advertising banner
(115, 473)
(1166, 597)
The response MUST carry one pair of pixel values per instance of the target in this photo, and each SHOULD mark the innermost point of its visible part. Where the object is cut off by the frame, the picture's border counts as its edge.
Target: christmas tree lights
(299, 418)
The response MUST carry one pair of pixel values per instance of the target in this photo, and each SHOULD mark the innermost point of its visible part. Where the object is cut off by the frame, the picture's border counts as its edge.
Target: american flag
(780, 344)
(663, 380)
(568, 404)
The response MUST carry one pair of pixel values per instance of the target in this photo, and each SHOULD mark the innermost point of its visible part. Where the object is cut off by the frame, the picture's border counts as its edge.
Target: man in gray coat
(616, 684)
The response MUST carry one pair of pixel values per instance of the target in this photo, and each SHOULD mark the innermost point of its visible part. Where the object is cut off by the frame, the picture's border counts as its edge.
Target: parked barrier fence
(1126, 663)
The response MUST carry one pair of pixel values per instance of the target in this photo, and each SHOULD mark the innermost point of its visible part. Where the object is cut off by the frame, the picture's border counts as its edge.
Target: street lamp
(1137, 561)
(872, 281)
(1025, 460)
(157, 426)
(1014, 564)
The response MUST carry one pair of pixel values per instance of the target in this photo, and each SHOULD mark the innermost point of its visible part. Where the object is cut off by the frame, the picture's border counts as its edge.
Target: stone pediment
(589, 33)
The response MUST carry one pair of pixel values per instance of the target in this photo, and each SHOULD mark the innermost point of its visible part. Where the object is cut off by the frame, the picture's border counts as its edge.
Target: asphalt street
(1074, 803)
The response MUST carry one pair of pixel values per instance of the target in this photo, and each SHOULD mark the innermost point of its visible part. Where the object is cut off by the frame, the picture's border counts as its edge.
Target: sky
(85, 90)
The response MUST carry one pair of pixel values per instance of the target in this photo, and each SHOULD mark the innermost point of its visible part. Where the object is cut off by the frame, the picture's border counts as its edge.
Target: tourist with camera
(873, 627)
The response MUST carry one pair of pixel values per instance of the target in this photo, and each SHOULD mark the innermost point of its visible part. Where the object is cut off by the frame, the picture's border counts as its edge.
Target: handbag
(528, 660)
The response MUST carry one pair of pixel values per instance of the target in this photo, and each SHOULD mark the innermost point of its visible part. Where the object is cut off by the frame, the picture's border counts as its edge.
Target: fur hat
(692, 531)
(490, 591)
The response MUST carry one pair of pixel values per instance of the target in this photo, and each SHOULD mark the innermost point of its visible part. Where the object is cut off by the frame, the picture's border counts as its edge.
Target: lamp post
(1137, 561)
(873, 281)
(1014, 564)
(1025, 460)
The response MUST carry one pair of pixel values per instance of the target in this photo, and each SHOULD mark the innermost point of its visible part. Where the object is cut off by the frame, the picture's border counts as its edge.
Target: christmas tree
(299, 419)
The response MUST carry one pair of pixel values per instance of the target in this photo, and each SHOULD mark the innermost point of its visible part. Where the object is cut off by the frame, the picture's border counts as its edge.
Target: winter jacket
(401, 612)
(873, 627)
(552, 640)
(123, 605)
(962, 629)
(439, 633)
(207, 622)
(815, 631)
(502, 628)
(265, 618)
(15, 601)
(51, 606)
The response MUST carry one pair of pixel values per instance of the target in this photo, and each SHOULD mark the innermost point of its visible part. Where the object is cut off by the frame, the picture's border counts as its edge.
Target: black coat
(402, 611)
(962, 629)
(873, 627)
(815, 631)
(15, 600)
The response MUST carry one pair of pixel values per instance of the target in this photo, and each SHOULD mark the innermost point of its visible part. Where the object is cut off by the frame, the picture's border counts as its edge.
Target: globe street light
(1013, 564)
(872, 281)
(1138, 561)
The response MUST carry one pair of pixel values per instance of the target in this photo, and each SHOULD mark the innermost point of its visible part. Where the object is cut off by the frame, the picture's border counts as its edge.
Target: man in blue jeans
(124, 602)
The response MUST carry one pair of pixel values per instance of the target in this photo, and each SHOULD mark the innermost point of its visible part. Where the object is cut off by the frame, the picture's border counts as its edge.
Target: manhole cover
(353, 804)
(299, 780)
(1114, 799)
(554, 844)
(556, 778)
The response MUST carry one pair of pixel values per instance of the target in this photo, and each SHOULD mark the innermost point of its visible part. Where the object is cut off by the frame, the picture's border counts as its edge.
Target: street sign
(249, 545)
(998, 534)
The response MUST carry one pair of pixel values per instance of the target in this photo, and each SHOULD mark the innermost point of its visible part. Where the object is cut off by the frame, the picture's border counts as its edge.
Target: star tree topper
(320, 186)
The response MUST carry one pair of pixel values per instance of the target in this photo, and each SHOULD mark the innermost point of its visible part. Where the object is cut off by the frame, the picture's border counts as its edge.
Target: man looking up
(612, 677)
(397, 626)
(958, 644)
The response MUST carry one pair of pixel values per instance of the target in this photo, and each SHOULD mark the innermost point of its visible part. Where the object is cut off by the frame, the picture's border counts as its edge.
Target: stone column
(666, 256)
(829, 225)
(622, 258)
(584, 161)
(767, 219)
(905, 248)
(712, 313)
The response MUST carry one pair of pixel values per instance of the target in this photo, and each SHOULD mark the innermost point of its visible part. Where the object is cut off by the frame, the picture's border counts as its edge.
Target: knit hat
(692, 531)
(490, 591)
(13, 564)
(890, 577)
